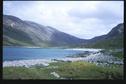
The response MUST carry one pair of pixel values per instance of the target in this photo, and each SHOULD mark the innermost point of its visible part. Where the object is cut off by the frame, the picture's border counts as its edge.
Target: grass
(25, 73)
(68, 70)
(84, 70)
(118, 54)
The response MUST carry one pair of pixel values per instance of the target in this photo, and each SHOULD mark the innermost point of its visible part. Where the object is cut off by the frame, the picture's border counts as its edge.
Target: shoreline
(84, 49)
(97, 58)
(27, 63)
(80, 49)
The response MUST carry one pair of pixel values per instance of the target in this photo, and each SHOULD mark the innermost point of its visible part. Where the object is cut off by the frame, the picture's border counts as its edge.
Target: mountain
(17, 32)
(114, 39)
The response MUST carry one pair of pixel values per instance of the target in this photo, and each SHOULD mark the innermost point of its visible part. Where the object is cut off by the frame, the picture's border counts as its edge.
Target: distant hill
(17, 32)
(114, 39)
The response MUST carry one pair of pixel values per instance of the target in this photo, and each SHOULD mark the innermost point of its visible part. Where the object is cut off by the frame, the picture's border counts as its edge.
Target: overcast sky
(83, 19)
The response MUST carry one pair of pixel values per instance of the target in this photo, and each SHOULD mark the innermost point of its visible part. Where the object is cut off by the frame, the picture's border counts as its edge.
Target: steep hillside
(114, 39)
(17, 32)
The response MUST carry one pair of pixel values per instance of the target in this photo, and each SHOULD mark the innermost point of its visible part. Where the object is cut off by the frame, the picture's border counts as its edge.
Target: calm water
(15, 53)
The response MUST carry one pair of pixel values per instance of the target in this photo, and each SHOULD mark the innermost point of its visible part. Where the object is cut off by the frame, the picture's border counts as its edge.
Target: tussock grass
(67, 70)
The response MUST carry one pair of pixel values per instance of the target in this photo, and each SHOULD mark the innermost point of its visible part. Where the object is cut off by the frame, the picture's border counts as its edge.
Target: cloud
(83, 19)
(99, 18)
(107, 11)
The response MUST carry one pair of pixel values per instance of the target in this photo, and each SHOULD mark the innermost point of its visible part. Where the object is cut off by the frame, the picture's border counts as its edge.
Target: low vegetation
(66, 70)
(109, 44)
(115, 52)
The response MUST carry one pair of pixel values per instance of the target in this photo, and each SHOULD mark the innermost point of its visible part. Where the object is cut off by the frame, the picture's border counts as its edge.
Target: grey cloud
(101, 15)
(105, 13)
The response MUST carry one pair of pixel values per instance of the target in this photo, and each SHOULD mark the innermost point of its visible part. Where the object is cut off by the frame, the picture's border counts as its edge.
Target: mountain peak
(116, 30)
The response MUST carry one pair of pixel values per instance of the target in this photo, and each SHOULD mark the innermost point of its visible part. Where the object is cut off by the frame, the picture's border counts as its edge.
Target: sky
(83, 19)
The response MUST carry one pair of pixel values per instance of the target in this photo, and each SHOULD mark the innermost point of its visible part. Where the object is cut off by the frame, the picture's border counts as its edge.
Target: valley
(35, 51)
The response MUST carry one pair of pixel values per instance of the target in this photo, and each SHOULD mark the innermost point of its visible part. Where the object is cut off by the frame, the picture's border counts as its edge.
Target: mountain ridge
(31, 33)
(17, 32)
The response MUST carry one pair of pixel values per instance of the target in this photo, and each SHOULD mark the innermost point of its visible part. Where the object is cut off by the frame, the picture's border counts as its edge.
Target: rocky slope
(17, 32)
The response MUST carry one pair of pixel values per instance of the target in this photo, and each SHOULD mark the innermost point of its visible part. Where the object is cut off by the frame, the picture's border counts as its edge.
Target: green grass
(118, 54)
(26, 73)
(68, 70)
(115, 42)
(84, 70)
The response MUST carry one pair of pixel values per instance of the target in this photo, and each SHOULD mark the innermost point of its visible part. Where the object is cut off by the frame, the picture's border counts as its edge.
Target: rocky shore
(98, 58)
(26, 63)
